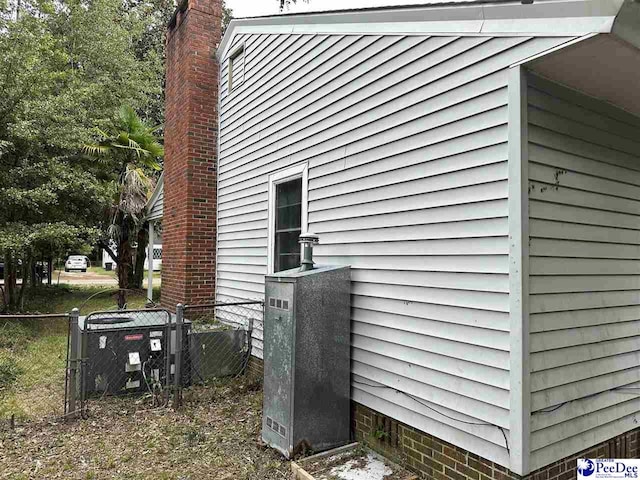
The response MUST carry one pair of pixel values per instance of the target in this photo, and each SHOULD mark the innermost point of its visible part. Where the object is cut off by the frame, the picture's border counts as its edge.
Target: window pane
(287, 242)
(287, 262)
(287, 250)
(289, 217)
(289, 193)
(288, 225)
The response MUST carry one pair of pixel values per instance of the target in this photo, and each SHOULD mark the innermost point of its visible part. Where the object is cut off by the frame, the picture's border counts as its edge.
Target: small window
(236, 67)
(288, 225)
(287, 217)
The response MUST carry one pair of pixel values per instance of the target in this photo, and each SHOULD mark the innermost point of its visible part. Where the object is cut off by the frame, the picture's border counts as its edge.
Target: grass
(63, 298)
(214, 435)
(102, 271)
(112, 273)
(33, 352)
(106, 273)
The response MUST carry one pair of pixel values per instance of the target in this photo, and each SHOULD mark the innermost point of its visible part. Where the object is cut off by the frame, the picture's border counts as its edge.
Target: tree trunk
(34, 274)
(142, 241)
(49, 270)
(10, 281)
(26, 270)
(124, 262)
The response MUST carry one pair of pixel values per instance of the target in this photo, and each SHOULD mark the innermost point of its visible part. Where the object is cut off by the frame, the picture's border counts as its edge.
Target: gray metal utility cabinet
(307, 359)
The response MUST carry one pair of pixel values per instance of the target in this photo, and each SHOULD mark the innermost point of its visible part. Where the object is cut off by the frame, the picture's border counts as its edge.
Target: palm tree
(133, 149)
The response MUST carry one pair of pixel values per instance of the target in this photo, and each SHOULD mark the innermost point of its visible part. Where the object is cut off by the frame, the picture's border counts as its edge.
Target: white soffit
(542, 18)
(603, 67)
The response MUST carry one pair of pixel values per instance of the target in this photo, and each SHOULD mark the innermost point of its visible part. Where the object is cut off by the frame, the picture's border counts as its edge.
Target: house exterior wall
(584, 222)
(406, 144)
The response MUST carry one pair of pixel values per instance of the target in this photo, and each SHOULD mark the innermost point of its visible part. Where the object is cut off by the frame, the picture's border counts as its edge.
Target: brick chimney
(191, 126)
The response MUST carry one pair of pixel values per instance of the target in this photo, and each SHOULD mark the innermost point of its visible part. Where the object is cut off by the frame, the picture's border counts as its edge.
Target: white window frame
(290, 173)
(231, 83)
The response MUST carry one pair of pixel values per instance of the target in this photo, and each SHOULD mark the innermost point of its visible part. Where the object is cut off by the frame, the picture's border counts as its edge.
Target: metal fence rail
(33, 365)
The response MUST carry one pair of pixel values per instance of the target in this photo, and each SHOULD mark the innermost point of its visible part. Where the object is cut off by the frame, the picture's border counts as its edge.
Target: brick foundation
(436, 459)
(432, 458)
(191, 125)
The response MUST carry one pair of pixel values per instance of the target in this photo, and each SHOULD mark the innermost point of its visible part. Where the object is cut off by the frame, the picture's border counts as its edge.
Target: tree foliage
(287, 3)
(65, 67)
(131, 148)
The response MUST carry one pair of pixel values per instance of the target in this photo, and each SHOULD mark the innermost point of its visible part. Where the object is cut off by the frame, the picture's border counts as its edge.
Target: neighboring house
(478, 166)
(109, 264)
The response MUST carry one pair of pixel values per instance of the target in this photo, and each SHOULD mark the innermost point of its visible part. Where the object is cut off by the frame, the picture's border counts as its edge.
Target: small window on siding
(236, 67)
(287, 217)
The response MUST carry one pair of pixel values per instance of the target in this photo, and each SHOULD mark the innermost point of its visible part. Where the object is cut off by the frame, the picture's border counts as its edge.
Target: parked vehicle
(76, 262)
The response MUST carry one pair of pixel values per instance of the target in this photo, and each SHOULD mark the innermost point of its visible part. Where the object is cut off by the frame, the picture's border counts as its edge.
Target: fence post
(73, 360)
(178, 356)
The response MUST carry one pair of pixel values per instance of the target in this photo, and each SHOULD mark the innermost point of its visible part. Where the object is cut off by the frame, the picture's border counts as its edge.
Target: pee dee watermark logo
(592, 469)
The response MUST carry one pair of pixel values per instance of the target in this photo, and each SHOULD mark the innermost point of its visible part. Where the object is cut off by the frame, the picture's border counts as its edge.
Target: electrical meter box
(307, 329)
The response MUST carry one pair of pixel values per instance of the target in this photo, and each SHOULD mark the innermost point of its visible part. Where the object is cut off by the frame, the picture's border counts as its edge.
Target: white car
(76, 262)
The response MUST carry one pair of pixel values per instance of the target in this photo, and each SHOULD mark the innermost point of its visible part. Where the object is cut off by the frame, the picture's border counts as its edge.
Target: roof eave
(544, 17)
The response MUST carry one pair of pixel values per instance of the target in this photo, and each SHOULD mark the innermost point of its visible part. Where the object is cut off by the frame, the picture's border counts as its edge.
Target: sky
(254, 8)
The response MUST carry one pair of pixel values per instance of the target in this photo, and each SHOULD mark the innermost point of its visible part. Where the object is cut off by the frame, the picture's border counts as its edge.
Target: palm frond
(129, 119)
(133, 194)
(101, 133)
(96, 149)
(151, 163)
(137, 150)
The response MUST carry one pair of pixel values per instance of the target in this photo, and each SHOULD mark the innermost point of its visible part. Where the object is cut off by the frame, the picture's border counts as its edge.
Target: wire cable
(426, 405)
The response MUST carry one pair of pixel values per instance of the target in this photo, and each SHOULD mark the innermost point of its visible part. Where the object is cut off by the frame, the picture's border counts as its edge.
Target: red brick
(190, 172)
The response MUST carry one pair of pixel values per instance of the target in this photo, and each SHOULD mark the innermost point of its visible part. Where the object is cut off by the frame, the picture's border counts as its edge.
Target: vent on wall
(279, 303)
(276, 427)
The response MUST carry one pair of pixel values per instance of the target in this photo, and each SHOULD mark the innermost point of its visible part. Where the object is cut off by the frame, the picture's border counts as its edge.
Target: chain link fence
(33, 364)
(118, 361)
(218, 340)
(119, 355)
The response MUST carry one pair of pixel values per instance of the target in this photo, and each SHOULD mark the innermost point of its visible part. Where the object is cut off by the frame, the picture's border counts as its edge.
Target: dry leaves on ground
(215, 435)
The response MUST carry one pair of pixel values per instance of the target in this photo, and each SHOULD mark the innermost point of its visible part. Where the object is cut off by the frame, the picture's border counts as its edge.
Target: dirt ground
(215, 435)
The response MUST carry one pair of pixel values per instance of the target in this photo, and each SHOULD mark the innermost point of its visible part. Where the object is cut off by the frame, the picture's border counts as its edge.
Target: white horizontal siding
(584, 193)
(156, 211)
(406, 143)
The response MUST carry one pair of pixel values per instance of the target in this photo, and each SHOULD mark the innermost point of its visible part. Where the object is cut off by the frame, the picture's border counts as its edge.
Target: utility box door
(278, 365)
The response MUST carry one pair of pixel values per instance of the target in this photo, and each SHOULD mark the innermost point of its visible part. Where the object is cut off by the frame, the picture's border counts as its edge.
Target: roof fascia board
(546, 17)
(555, 50)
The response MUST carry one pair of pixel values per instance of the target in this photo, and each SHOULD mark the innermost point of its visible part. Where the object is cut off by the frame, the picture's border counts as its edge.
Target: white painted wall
(584, 193)
(406, 144)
